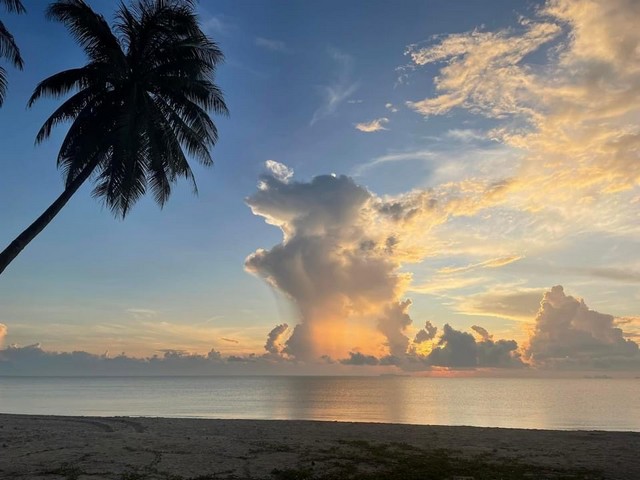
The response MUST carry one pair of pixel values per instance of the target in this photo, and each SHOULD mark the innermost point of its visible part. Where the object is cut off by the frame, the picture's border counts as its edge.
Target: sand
(50, 447)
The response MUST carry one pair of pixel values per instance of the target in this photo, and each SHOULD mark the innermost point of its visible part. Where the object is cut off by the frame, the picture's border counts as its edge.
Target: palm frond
(69, 110)
(139, 108)
(62, 83)
(89, 29)
(8, 48)
(3, 84)
(13, 6)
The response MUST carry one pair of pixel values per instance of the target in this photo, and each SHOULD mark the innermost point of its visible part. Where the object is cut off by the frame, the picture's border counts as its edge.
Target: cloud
(571, 117)
(272, 45)
(357, 358)
(619, 274)
(3, 332)
(465, 135)
(569, 335)
(393, 325)
(457, 349)
(326, 263)
(499, 354)
(373, 126)
(142, 313)
(491, 263)
(217, 25)
(32, 360)
(449, 163)
(516, 304)
(341, 256)
(390, 107)
(275, 338)
(480, 66)
(427, 333)
(421, 155)
(339, 90)
(484, 335)
(279, 170)
(229, 340)
(440, 284)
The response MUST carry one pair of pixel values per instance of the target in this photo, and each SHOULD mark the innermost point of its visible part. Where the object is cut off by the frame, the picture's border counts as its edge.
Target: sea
(531, 403)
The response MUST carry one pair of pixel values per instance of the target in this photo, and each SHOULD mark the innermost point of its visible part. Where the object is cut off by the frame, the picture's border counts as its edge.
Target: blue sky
(299, 79)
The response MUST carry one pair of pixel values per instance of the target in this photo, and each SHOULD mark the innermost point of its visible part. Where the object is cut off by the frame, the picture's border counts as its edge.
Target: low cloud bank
(567, 335)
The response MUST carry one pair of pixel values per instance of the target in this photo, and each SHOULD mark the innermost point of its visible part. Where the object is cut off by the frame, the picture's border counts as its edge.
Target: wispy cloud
(273, 45)
(142, 313)
(373, 126)
(424, 155)
(572, 118)
(217, 25)
(513, 303)
(491, 263)
(339, 90)
(442, 284)
(229, 340)
(465, 135)
(391, 107)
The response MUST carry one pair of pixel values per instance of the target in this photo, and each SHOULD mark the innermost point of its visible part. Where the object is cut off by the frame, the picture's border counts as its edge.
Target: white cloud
(341, 256)
(490, 263)
(572, 118)
(339, 90)
(216, 25)
(373, 126)
(142, 313)
(391, 107)
(465, 135)
(279, 170)
(272, 45)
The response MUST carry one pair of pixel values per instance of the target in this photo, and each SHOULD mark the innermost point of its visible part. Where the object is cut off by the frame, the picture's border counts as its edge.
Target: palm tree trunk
(22, 240)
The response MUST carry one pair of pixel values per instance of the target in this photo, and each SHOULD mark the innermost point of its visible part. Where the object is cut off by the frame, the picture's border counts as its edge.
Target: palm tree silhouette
(8, 47)
(140, 105)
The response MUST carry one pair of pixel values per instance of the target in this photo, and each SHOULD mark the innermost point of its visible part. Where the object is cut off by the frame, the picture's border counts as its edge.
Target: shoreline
(309, 420)
(73, 447)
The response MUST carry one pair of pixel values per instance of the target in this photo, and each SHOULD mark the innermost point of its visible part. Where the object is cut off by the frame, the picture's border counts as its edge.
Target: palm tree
(139, 105)
(8, 47)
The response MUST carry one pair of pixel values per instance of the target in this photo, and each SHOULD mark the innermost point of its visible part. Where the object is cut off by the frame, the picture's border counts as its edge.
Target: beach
(57, 447)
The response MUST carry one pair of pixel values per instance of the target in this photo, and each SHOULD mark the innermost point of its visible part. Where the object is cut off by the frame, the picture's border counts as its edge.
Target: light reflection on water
(603, 404)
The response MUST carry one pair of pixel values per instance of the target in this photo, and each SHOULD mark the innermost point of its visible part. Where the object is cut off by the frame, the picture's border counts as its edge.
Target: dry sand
(49, 447)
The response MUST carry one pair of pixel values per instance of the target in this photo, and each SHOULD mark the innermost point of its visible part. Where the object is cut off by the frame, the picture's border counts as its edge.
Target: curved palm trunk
(22, 240)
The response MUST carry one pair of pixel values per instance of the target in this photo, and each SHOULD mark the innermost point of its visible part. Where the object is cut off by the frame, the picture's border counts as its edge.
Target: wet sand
(50, 447)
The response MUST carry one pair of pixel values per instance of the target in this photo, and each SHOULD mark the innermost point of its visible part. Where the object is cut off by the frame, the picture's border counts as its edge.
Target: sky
(427, 187)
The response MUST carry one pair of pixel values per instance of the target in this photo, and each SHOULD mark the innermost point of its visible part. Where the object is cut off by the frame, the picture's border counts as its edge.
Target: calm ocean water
(602, 404)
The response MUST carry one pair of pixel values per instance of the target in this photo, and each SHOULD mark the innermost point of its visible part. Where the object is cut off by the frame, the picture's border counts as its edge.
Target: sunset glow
(457, 195)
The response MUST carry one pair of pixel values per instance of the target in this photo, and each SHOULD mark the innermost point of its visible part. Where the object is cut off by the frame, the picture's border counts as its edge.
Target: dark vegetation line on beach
(362, 460)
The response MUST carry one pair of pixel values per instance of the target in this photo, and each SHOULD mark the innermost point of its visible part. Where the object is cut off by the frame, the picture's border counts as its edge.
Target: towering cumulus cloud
(3, 332)
(338, 274)
(340, 258)
(570, 335)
